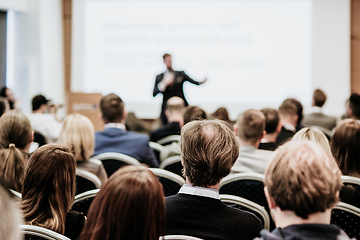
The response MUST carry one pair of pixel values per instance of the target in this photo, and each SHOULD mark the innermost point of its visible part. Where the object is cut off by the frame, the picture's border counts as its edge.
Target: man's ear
(236, 130)
(351, 113)
(278, 129)
(269, 199)
(32, 137)
(125, 114)
(167, 112)
(263, 135)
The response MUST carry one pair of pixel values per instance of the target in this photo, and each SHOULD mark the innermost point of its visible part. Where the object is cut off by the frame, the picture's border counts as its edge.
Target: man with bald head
(208, 151)
(174, 112)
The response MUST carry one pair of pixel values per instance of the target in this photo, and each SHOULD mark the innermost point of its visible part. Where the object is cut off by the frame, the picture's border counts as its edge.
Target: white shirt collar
(289, 127)
(115, 125)
(199, 191)
(316, 109)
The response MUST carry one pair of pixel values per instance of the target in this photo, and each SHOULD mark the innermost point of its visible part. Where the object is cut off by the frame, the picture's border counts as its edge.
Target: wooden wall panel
(67, 27)
(355, 46)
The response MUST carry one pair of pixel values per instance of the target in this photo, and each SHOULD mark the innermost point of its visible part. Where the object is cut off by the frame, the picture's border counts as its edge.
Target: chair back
(172, 164)
(83, 201)
(86, 181)
(169, 139)
(246, 185)
(113, 161)
(170, 181)
(351, 181)
(347, 217)
(249, 206)
(35, 233)
(179, 237)
(157, 148)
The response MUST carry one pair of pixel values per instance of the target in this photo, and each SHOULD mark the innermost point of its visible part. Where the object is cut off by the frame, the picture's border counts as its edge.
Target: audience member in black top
(49, 190)
(354, 105)
(299, 112)
(209, 149)
(302, 185)
(272, 128)
(289, 119)
(174, 112)
(4, 106)
(15, 140)
(345, 149)
(129, 206)
(9, 95)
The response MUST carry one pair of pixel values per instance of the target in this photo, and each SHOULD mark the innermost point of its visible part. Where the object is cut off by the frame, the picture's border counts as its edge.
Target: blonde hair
(313, 135)
(78, 135)
(302, 178)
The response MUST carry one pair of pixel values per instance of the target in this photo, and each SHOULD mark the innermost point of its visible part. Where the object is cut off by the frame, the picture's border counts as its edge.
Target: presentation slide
(254, 53)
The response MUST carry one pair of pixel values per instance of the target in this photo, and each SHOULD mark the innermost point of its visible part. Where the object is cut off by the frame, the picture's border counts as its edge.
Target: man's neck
(248, 143)
(270, 137)
(286, 218)
(216, 187)
(288, 121)
(38, 111)
(177, 118)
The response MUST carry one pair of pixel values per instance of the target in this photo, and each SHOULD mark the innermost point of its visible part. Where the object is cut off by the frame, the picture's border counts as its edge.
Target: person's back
(250, 129)
(115, 138)
(317, 118)
(302, 184)
(209, 149)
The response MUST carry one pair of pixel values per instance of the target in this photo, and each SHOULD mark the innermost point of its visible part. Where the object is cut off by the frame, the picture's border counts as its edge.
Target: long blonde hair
(313, 135)
(49, 187)
(78, 135)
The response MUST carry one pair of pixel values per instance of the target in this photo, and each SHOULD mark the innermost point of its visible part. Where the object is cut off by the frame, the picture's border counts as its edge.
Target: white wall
(37, 48)
(331, 52)
(16, 5)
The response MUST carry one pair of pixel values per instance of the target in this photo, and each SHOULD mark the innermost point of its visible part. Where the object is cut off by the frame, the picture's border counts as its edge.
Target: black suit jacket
(164, 131)
(284, 136)
(270, 146)
(176, 89)
(208, 218)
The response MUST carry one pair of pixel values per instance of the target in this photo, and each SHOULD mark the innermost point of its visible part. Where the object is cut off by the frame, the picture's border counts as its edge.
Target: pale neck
(286, 218)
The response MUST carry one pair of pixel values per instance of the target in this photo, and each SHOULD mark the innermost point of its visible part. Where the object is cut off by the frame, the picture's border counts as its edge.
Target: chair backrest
(347, 217)
(16, 194)
(112, 161)
(170, 181)
(86, 181)
(172, 164)
(246, 185)
(180, 237)
(83, 201)
(35, 232)
(169, 139)
(157, 148)
(249, 206)
(352, 181)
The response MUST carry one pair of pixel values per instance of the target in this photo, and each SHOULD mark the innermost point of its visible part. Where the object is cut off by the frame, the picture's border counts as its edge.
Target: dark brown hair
(288, 108)
(303, 178)
(272, 119)
(222, 114)
(129, 206)
(166, 55)
(354, 105)
(299, 109)
(209, 149)
(251, 125)
(112, 108)
(345, 147)
(319, 98)
(194, 113)
(49, 187)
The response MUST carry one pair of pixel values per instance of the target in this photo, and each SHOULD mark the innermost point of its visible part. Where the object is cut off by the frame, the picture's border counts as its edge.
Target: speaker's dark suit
(133, 144)
(176, 89)
(208, 218)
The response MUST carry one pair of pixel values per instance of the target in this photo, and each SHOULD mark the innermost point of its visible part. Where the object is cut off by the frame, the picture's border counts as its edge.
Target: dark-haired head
(49, 187)
(194, 113)
(345, 147)
(354, 105)
(129, 206)
(112, 108)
